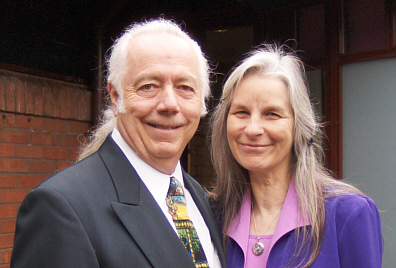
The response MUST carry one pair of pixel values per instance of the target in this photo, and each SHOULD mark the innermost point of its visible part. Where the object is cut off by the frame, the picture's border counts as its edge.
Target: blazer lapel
(140, 214)
(202, 203)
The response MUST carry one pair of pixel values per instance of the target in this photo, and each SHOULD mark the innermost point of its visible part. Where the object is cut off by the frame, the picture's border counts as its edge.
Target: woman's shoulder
(350, 205)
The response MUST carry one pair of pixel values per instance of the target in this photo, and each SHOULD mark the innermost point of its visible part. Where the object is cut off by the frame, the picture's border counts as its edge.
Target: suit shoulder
(76, 174)
(197, 186)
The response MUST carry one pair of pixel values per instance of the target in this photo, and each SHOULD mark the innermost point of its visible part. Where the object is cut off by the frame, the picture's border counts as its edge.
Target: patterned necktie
(188, 235)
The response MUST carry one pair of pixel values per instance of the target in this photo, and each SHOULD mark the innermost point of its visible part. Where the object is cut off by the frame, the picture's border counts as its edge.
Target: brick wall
(41, 123)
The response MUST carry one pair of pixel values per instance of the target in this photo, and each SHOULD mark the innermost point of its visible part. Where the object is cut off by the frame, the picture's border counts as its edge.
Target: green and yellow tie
(184, 226)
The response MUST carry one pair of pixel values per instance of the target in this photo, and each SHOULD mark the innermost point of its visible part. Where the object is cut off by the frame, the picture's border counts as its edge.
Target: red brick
(29, 122)
(88, 106)
(7, 120)
(30, 91)
(7, 181)
(56, 125)
(67, 140)
(10, 94)
(29, 151)
(13, 196)
(20, 96)
(2, 91)
(28, 181)
(7, 150)
(73, 153)
(43, 138)
(61, 153)
(73, 112)
(8, 211)
(79, 127)
(14, 135)
(80, 104)
(14, 165)
(6, 255)
(63, 164)
(64, 103)
(38, 100)
(8, 226)
(48, 98)
(57, 101)
(6, 240)
(42, 166)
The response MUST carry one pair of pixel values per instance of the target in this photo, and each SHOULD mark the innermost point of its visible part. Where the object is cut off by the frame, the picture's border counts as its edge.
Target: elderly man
(128, 203)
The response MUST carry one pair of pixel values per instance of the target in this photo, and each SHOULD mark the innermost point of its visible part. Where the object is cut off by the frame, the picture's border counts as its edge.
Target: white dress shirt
(158, 185)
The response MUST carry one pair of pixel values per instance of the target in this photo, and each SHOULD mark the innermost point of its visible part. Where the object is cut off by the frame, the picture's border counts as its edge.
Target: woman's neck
(268, 196)
(269, 192)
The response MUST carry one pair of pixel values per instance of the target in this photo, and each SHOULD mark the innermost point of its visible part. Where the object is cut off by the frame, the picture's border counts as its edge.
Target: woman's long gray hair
(313, 182)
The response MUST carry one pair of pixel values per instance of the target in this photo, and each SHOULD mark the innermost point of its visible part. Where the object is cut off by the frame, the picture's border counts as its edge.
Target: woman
(275, 202)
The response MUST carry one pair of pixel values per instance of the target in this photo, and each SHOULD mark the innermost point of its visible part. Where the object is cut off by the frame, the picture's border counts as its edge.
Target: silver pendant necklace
(258, 247)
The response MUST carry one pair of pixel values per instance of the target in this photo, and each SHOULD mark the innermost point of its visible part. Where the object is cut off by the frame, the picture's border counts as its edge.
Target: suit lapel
(140, 214)
(202, 203)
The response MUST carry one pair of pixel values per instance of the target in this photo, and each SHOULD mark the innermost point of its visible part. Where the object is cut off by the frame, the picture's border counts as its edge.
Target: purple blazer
(352, 236)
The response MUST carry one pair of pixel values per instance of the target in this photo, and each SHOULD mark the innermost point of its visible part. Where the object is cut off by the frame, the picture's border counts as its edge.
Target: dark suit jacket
(98, 213)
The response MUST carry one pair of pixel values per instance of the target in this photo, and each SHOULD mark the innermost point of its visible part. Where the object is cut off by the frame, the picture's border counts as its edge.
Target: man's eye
(147, 87)
(186, 88)
(186, 91)
(147, 90)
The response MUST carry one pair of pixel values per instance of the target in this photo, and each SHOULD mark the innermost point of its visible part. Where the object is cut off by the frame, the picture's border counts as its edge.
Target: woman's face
(260, 125)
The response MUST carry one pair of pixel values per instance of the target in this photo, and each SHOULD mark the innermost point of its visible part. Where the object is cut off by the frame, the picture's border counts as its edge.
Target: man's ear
(114, 98)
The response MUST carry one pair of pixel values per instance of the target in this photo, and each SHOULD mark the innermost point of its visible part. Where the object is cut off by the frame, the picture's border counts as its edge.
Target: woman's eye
(273, 115)
(241, 113)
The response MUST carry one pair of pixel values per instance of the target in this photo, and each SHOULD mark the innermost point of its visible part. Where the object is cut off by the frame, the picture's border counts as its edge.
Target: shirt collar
(239, 227)
(288, 219)
(156, 181)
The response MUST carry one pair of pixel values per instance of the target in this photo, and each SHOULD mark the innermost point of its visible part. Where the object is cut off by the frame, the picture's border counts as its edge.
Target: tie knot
(175, 188)
(175, 199)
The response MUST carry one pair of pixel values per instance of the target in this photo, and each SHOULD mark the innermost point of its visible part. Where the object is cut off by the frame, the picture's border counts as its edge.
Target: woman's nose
(254, 126)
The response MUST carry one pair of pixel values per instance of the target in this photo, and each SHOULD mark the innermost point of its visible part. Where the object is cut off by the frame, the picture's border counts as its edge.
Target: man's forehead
(161, 39)
(149, 53)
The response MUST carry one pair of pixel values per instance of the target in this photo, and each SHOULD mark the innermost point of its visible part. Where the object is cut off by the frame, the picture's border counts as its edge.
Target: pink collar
(239, 228)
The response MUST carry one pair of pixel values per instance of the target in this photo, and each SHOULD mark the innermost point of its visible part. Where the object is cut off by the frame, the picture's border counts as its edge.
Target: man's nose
(168, 101)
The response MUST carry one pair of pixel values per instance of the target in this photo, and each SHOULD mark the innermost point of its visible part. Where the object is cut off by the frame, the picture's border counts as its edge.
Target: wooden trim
(98, 94)
(367, 56)
(333, 92)
(26, 70)
(315, 64)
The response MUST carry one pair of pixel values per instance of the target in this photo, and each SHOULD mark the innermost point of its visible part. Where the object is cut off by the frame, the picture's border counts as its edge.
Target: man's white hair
(117, 67)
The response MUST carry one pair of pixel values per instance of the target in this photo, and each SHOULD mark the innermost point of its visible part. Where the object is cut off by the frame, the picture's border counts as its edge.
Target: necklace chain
(255, 227)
